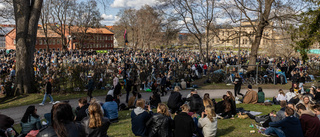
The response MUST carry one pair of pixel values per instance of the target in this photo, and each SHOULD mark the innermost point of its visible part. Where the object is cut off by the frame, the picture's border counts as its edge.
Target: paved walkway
(17, 112)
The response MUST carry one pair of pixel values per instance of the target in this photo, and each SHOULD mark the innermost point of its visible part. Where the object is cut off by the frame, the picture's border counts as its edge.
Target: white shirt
(281, 97)
(290, 95)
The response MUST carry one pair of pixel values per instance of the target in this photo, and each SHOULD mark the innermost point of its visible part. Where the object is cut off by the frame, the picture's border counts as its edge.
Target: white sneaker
(51, 102)
(41, 104)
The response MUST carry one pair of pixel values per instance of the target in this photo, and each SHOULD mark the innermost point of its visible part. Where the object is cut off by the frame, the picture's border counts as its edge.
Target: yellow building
(228, 36)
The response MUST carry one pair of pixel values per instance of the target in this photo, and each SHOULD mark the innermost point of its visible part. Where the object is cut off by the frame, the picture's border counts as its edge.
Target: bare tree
(261, 14)
(27, 15)
(45, 18)
(62, 18)
(87, 16)
(198, 17)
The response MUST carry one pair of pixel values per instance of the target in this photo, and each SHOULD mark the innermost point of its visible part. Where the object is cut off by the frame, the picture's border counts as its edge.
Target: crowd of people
(154, 70)
(189, 116)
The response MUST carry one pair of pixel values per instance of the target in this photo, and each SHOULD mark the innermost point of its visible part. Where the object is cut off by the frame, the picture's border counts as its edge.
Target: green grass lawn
(226, 128)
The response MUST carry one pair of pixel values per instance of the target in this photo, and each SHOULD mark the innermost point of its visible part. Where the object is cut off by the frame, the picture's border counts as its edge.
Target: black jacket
(196, 104)
(117, 90)
(183, 125)
(160, 126)
(174, 100)
(48, 88)
(81, 112)
(96, 132)
(73, 129)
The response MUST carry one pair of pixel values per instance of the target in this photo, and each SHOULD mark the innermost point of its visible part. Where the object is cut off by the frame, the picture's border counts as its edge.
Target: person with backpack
(139, 118)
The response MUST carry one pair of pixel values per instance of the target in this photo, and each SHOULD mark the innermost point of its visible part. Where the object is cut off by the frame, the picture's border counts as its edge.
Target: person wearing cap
(251, 96)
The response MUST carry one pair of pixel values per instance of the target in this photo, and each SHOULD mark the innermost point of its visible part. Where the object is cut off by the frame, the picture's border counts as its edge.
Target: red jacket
(310, 124)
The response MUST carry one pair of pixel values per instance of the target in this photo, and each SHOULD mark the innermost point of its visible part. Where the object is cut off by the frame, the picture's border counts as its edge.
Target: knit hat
(249, 87)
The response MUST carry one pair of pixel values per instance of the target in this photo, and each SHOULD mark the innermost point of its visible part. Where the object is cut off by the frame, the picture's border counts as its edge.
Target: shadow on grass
(225, 131)
(5, 99)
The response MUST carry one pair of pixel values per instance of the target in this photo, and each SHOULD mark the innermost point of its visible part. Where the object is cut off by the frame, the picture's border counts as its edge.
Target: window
(53, 42)
(105, 45)
(106, 37)
(58, 41)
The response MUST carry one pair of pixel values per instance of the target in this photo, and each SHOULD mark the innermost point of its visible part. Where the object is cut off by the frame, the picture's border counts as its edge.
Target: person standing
(237, 86)
(48, 90)
(90, 87)
(128, 88)
(115, 80)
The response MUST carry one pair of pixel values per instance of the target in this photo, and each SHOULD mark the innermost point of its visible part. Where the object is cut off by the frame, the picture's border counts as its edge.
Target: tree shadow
(6, 99)
(222, 132)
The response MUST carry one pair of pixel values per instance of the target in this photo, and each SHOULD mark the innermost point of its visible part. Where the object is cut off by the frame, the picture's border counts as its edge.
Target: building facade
(93, 39)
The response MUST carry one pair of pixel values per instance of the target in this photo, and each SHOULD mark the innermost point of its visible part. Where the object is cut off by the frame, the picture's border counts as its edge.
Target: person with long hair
(183, 123)
(281, 97)
(95, 125)
(232, 102)
(208, 123)
(62, 123)
(30, 121)
(160, 124)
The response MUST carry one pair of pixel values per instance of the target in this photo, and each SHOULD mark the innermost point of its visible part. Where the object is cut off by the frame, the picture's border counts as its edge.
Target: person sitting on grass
(307, 102)
(62, 123)
(30, 121)
(95, 125)
(223, 108)
(288, 127)
(251, 96)
(316, 110)
(261, 96)
(110, 108)
(290, 94)
(195, 102)
(184, 125)
(82, 109)
(139, 118)
(280, 114)
(160, 124)
(309, 121)
(208, 123)
(281, 97)
(232, 102)
(175, 100)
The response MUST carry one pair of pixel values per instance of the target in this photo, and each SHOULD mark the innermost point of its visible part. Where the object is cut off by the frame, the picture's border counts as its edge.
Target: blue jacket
(290, 126)
(110, 110)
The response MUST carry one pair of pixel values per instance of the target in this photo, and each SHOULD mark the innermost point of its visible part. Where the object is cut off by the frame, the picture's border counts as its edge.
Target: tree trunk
(26, 16)
(263, 22)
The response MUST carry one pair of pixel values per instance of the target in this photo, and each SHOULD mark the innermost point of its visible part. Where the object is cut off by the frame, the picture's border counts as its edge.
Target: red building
(94, 38)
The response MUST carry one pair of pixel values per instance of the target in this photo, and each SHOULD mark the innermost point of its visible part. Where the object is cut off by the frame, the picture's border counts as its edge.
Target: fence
(241, 69)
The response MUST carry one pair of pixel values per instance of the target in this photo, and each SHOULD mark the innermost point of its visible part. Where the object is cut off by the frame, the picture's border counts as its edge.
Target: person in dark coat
(309, 122)
(289, 126)
(90, 87)
(48, 90)
(160, 124)
(175, 100)
(62, 123)
(5, 123)
(195, 103)
(117, 92)
(183, 123)
(95, 125)
(155, 99)
(237, 85)
(128, 88)
(163, 85)
(82, 110)
(139, 118)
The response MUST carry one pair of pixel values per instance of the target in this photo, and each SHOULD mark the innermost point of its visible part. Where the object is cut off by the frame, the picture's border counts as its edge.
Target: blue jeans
(45, 97)
(275, 130)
